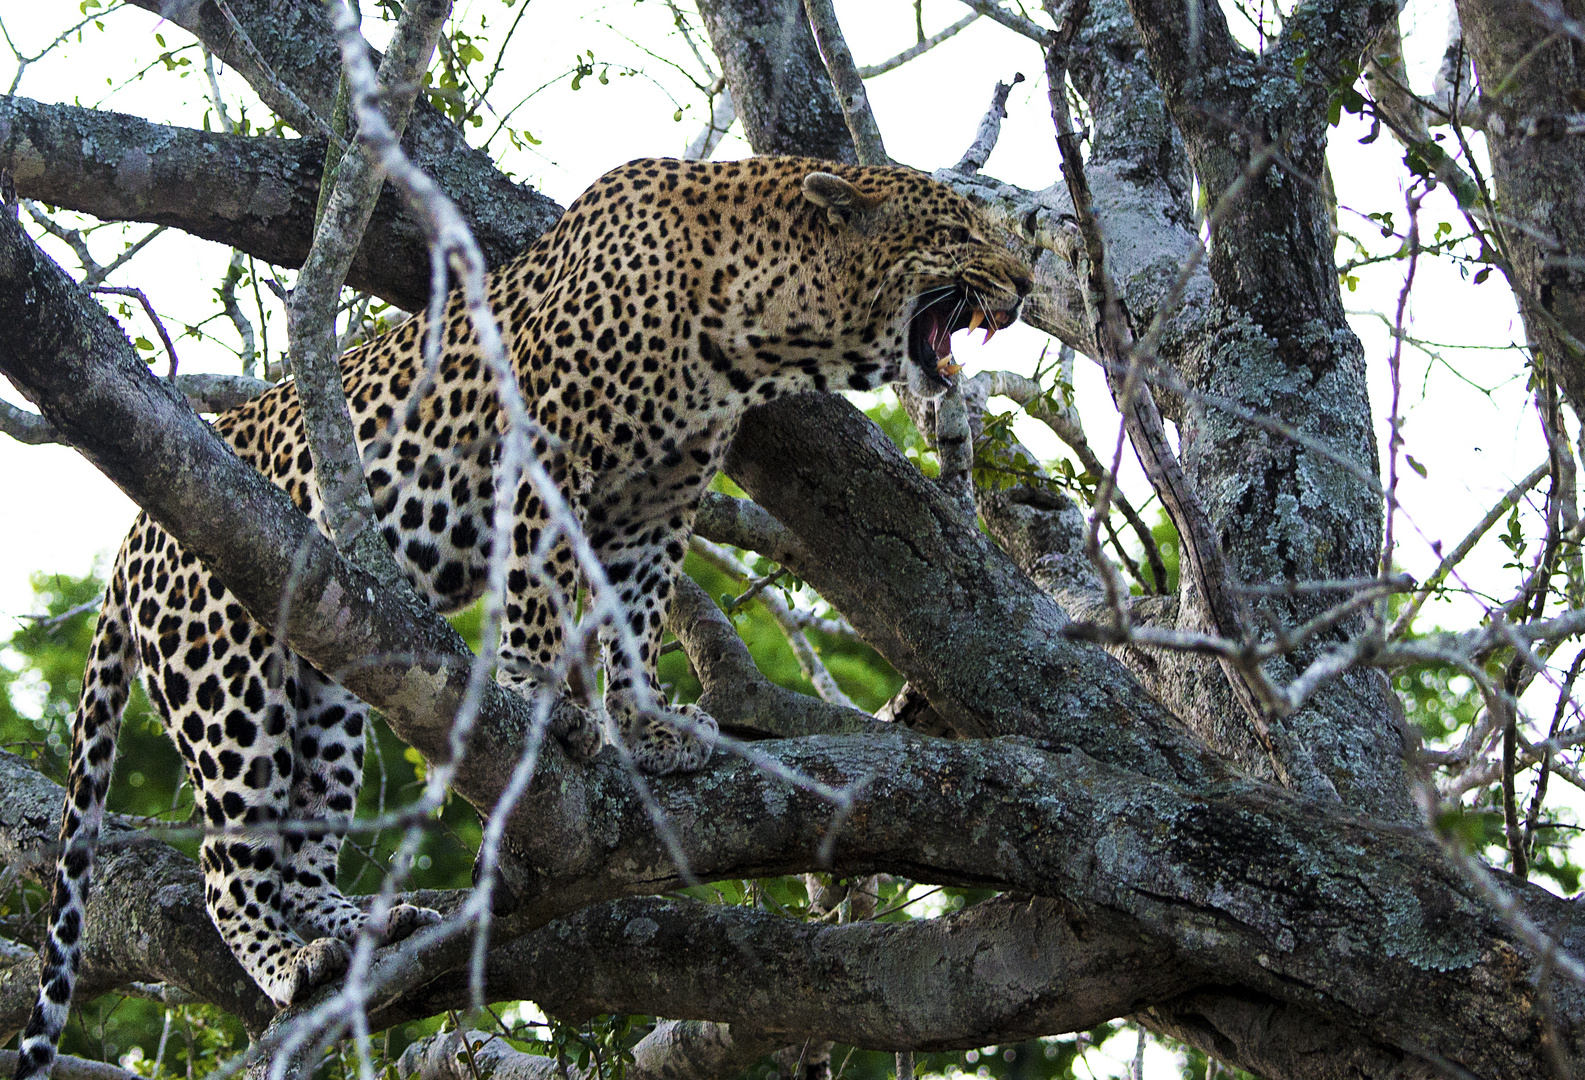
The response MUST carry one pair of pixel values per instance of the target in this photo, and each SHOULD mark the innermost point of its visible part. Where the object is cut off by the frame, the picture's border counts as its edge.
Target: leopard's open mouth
(931, 329)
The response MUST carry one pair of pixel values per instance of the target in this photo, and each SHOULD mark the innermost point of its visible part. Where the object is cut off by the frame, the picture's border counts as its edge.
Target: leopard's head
(924, 262)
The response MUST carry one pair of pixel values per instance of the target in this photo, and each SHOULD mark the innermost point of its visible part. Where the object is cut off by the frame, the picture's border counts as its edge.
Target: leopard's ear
(840, 199)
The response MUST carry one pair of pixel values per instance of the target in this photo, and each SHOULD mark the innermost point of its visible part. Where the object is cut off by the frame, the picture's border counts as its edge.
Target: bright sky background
(62, 515)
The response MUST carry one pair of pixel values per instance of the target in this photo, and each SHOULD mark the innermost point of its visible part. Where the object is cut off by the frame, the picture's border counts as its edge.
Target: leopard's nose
(1023, 283)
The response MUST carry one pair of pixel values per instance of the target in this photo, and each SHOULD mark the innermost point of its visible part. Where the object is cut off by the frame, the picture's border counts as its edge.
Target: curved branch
(1268, 896)
(735, 693)
(1003, 971)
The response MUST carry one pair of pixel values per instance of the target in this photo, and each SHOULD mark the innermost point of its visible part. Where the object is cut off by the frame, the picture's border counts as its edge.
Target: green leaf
(1415, 465)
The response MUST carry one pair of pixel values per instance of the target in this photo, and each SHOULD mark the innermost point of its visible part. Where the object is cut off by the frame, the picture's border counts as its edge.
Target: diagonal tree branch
(80, 370)
(311, 312)
(924, 586)
(849, 84)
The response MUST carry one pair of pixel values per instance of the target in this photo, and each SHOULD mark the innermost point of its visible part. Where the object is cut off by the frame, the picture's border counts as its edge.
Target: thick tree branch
(1126, 361)
(67, 1067)
(251, 193)
(1276, 342)
(923, 585)
(1528, 74)
(298, 41)
(1003, 971)
(1268, 889)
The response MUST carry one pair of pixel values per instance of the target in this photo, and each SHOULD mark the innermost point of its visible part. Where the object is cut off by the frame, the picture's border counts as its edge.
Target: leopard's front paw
(677, 739)
(575, 729)
(570, 723)
(317, 963)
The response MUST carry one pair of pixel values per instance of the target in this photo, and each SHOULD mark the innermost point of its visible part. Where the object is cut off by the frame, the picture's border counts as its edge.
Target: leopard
(670, 297)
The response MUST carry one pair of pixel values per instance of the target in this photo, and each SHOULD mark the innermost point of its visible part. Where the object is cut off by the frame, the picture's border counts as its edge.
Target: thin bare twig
(996, 13)
(924, 45)
(148, 309)
(1465, 546)
(302, 116)
(990, 129)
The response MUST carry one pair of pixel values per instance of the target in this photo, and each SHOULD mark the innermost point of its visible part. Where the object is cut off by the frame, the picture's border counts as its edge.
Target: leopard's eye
(957, 234)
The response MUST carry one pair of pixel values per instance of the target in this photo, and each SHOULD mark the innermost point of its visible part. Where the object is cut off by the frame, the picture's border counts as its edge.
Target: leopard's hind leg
(640, 532)
(238, 744)
(328, 744)
(541, 588)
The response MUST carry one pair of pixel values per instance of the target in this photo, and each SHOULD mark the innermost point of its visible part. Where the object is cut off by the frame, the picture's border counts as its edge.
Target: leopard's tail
(107, 679)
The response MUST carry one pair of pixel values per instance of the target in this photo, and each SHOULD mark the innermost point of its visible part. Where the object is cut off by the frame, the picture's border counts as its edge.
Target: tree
(1206, 811)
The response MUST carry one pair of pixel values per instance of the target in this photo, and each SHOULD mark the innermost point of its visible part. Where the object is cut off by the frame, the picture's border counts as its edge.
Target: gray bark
(1276, 342)
(254, 194)
(1530, 74)
(777, 79)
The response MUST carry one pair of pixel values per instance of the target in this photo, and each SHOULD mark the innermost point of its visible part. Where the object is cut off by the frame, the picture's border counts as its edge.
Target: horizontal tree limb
(1239, 887)
(298, 43)
(249, 192)
(1003, 971)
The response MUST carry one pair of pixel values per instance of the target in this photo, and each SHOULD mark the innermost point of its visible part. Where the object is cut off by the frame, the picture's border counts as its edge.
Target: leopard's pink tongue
(939, 336)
